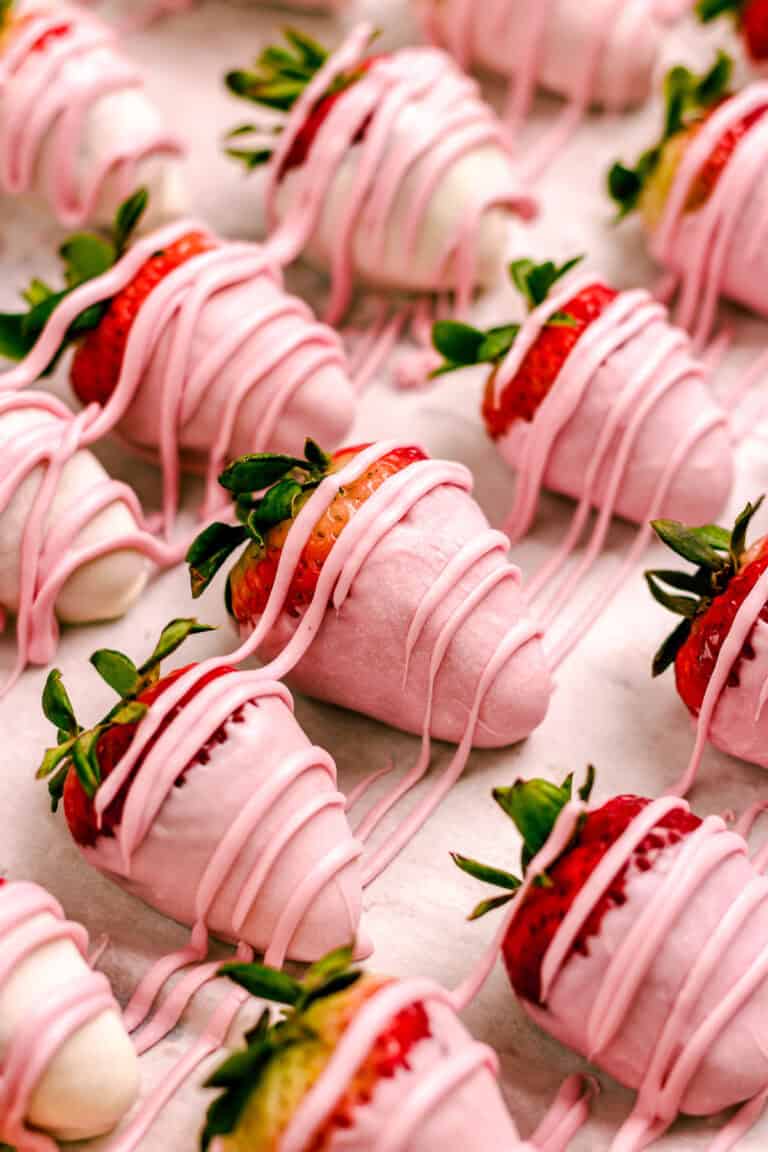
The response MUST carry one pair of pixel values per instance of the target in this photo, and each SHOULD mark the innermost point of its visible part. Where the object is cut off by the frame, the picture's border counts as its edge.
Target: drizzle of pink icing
(48, 560)
(708, 235)
(59, 1017)
(458, 122)
(37, 102)
(180, 300)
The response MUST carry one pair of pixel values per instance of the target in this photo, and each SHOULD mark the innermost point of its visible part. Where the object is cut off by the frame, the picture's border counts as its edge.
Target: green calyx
(6, 11)
(686, 98)
(85, 256)
(463, 346)
(718, 555)
(241, 1074)
(708, 10)
(534, 807)
(279, 77)
(284, 481)
(76, 747)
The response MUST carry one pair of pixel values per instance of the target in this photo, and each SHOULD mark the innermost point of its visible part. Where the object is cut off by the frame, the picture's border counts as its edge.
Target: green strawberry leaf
(315, 456)
(128, 218)
(486, 873)
(85, 257)
(118, 670)
(57, 706)
(278, 503)
(708, 10)
(535, 281)
(534, 806)
(457, 342)
(86, 762)
(171, 638)
(666, 654)
(686, 606)
(689, 543)
(209, 551)
(53, 757)
(256, 472)
(265, 983)
(737, 544)
(486, 906)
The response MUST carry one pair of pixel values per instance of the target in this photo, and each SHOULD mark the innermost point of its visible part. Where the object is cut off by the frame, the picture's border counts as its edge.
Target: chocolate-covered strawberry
(190, 344)
(595, 395)
(387, 169)
(81, 166)
(347, 1065)
(198, 766)
(723, 633)
(636, 934)
(701, 192)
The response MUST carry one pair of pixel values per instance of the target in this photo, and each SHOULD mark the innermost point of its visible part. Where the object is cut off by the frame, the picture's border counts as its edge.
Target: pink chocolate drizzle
(37, 102)
(667, 366)
(457, 123)
(181, 299)
(48, 559)
(60, 1016)
(675, 1060)
(705, 241)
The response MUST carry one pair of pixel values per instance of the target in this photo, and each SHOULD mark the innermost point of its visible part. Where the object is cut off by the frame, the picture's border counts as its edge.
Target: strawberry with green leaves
(710, 599)
(392, 1037)
(255, 364)
(183, 757)
(699, 190)
(750, 17)
(397, 521)
(358, 176)
(623, 941)
(559, 379)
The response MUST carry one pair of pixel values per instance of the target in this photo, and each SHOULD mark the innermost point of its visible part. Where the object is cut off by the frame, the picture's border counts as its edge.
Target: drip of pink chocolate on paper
(675, 1060)
(33, 1047)
(460, 124)
(44, 109)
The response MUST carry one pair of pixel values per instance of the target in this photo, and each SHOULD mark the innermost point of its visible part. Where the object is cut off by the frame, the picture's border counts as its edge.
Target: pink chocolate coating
(73, 123)
(718, 250)
(629, 423)
(404, 207)
(254, 844)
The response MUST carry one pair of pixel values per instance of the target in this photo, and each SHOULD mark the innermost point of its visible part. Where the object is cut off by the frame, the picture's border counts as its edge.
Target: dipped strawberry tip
(76, 749)
(463, 346)
(534, 807)
(284, 481)
(277, 81)
(85, 256)
(687, 99)
(293, 1050)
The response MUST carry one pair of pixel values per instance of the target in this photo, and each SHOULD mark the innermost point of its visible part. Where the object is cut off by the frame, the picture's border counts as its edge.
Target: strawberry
(534, 807)
(281, 74)
(265, 523)
(726, 573)
(462, 345)
(82, 760)
(97, 362)
(690, 101)
(751, 17)
(264, 1084)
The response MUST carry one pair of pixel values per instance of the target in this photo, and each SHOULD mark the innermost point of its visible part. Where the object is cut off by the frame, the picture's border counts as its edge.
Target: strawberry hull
(497, 39)
(358, 657)
(734, 1066)
(701, 484)
(167, 868)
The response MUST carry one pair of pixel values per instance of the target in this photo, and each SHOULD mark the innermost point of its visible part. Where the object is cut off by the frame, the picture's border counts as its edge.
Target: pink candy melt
(459, 124)
(32, 1049)
(40, 107)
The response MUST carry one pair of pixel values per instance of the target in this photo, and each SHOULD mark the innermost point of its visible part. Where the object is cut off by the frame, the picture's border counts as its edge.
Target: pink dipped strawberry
(589, 395)
(203, 762)
(81, 167)
(190, 344)
(710, 600)
(359, 179)
(751, 17)
(625, 937)
(358, 564)
(701, 194)
(346, 1062)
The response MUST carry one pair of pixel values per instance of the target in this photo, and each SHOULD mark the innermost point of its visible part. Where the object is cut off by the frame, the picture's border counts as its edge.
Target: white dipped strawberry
(384, 169)
(637, 936)
(77, 130)
(199, 793)
(373, 581)
(597, 396)
(189, 343)
(69, 1069)
(702, 194)
(356, 1062)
